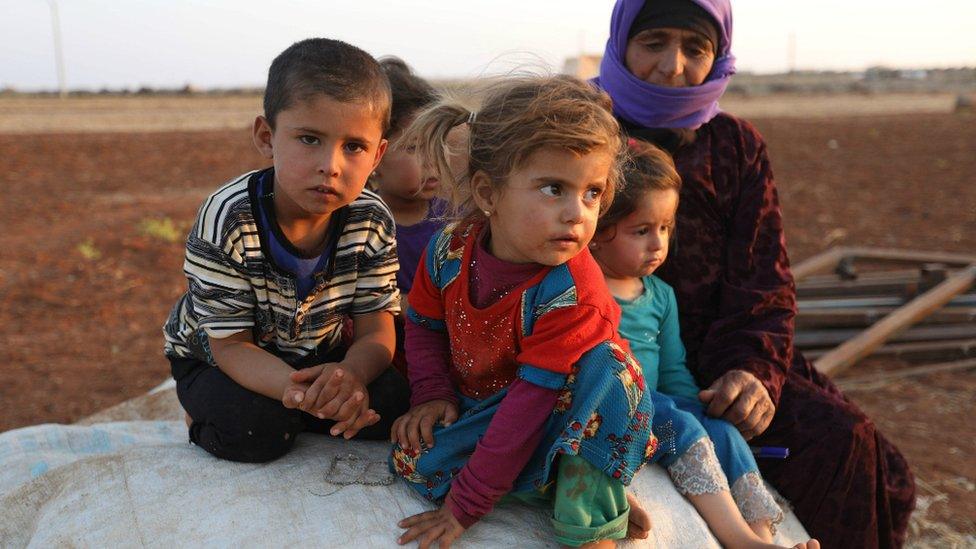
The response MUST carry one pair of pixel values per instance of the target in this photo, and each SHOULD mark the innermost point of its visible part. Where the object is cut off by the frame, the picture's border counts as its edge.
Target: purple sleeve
(757, 303)
(428, 363)
(512, 437)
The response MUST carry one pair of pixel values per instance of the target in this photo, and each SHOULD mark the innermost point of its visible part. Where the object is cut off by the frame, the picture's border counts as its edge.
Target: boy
(278, 257)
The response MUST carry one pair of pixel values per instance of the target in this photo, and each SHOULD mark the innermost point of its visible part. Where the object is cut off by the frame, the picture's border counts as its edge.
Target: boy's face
(323, 151)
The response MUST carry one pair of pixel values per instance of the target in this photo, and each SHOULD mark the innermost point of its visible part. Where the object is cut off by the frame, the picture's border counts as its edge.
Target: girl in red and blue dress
(511, 333)
(520, 384)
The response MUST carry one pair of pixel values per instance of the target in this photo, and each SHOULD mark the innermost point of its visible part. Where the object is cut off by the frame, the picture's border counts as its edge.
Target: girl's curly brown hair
(518, 116)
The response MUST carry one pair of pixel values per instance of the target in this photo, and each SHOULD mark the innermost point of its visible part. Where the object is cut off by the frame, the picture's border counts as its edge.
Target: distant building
(585, 66)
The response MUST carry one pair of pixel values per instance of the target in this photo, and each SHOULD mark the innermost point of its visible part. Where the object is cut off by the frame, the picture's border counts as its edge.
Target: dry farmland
(97, 194)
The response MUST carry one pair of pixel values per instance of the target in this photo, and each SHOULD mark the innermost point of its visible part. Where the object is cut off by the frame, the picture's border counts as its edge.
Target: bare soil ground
(94, 224)
(28, 114)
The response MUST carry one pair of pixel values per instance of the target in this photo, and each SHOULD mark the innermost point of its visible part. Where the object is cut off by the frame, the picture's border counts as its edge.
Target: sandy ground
(184, 113)
(94, 223)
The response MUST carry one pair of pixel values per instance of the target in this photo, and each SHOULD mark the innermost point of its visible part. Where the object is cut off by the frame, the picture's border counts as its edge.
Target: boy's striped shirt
(234, 286)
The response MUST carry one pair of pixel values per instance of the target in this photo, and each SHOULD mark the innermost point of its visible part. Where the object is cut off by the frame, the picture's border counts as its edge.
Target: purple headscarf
(651, 106)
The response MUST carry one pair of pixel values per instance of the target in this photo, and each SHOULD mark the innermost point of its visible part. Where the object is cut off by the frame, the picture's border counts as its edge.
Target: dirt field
(95, 222)
(201, 112)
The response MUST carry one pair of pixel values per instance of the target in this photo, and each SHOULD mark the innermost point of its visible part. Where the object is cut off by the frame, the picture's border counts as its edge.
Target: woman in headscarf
(666, 64)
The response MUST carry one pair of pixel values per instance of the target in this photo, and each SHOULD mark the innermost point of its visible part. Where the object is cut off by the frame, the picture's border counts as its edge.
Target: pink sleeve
(428, 363)
(512, 437)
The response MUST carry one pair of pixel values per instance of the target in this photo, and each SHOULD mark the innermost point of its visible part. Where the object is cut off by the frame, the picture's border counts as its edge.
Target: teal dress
(650, 324)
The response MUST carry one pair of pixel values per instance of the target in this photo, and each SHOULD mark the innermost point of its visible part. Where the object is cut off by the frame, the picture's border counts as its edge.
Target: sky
(229, 43)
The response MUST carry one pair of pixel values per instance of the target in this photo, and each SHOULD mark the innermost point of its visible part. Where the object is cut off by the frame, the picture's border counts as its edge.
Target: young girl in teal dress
(631, 242)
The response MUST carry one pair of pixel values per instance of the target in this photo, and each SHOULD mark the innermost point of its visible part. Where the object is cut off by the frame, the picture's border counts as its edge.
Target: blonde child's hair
(518, 116)
(647, 168)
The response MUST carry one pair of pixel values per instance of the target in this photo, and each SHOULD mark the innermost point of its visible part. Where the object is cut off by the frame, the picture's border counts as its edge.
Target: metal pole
(58, 55)
(867, 341)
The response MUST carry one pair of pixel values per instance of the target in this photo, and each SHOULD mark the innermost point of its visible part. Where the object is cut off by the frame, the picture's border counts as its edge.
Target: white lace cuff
(698, 471)
(754, 500)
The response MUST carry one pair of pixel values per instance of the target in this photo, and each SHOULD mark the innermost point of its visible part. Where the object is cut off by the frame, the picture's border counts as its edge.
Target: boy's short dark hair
(410, 92)
(325, 66)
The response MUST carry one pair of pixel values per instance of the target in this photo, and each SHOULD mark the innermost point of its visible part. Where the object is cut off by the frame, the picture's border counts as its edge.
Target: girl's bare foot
(763, 529)
(639, 523)
(809, 544)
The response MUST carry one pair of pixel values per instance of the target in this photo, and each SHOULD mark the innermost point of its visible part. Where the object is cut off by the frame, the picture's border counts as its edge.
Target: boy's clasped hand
(329, 391)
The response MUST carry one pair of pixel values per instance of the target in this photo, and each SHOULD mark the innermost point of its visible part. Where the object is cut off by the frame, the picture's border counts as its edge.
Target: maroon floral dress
(730, 271)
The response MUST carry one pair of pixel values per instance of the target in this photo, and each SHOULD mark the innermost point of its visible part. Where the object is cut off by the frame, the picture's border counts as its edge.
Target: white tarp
(140, 484)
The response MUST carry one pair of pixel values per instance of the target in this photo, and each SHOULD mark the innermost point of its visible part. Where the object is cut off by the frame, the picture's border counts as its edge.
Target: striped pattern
(233, 286)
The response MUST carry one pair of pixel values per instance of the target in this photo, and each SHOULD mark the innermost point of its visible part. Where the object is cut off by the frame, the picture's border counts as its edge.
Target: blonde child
(401, 182)
(631, 242)
(513, 346)
(399, 179)
(278, 257)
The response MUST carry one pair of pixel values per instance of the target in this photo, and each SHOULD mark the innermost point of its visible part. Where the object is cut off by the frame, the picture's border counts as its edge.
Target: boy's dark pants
(234, 423)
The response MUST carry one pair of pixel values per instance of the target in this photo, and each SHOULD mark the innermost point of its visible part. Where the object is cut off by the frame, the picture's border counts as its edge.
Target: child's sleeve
(428, 365)
(674, 378)
(376, 288)
(425, 304)
(506, 447)
(426, 342)
(220, 291)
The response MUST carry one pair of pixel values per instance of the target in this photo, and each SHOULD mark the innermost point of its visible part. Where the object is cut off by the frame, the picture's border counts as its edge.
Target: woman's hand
(741, 399)
(438, 527)
(418, 423)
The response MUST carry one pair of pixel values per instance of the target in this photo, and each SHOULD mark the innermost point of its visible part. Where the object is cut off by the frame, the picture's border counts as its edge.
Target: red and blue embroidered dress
(556, 331)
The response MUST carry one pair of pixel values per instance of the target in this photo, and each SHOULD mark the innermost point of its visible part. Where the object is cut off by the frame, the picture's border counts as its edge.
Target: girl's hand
(418, 423)
(438, 526)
